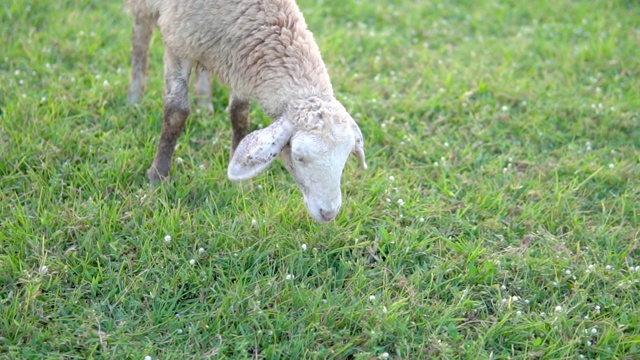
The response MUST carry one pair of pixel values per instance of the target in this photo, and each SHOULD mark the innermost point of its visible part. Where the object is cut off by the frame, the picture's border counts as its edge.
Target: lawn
(498, 218)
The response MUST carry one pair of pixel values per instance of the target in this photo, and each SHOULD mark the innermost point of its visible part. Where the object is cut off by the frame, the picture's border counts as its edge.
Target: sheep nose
(328, 215)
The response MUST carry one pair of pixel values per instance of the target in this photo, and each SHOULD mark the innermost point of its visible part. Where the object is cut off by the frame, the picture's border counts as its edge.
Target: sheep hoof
(154, 176)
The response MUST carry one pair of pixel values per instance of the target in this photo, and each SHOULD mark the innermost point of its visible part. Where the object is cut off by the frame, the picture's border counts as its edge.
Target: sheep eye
(300, 159)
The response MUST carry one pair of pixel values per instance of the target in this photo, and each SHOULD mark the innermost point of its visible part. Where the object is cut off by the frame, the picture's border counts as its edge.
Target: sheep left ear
(258, 149)
(358, 148)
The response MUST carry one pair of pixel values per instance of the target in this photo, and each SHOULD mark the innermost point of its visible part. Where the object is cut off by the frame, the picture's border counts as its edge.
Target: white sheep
(145, 18)
(263, 50)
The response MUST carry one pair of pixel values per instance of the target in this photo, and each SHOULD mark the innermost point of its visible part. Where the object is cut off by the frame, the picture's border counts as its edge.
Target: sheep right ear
(258, 149)
(358, 148)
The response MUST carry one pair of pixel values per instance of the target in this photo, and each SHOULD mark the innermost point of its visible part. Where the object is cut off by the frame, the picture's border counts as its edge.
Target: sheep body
(264, 51)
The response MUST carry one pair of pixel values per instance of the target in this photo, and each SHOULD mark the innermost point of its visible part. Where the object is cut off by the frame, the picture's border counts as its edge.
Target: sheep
(145, 18)
(263, 51)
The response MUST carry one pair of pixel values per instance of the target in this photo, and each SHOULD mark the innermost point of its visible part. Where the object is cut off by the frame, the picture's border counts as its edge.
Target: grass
(498, 218)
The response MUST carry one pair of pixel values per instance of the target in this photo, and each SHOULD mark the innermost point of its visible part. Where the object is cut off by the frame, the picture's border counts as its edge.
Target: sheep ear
(358, 148)
(258, 149)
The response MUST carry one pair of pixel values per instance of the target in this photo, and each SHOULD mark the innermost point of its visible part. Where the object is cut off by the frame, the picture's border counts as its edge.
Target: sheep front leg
(239, 114)
(140, 41)
(203, 90)
(175, 113)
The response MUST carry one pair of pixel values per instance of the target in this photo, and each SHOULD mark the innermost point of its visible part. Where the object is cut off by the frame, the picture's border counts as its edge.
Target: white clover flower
(503, 287)
(167, 238)
(254, 222)
(304, 247)
(148, 357)
(192, 261)
(384, 355)
(392, 178)
(519, 313)
(201, 251)
(568, 272)
(290, 277)
(44, 269)
(421, 219)
(201, 167)
(436, 164)
(372, 297)
(558, 308)
(608, 268)
(446, 144)
(400, 202)
(515, 298)
(505, 108)
(105, 83)
(611, 166)
(594, 331)
(384, 310)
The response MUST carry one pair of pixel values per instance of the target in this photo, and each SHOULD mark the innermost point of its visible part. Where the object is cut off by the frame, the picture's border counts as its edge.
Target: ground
(498, 217)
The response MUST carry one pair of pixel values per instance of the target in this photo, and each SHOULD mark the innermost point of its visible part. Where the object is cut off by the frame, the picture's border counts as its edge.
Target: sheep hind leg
(175, 113)
(140, 41)
(239, 114)
(203, 90)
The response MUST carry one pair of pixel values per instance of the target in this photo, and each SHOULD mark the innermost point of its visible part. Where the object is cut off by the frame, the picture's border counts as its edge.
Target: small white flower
(436, 164)
(392, 178)
(16, 73)
(505, 108)
(304, 247)
(43, 99)
(597, 308)
(519, 313)
(201, 251)
(44, 269)
(105, 83)
(568, 272)
(594, 331)
(504, 170)
(421, 219)
(400, 202)
(167, 238)
(290, 277)
(515, 298)
(201, 167)
(503, 287)
(446, 144)
(384, 310)
(179, 331)
(179, 160)
(526, 301)
(558, 308)
(372, 297)
(147, 357)
(504, 301)
(192, 261)
(608, 268)
(611, 166)
(384, 355)
(254, 222)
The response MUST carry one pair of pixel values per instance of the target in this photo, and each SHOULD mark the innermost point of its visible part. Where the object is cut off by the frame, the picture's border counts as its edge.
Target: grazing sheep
(263, 50)
(145, 17)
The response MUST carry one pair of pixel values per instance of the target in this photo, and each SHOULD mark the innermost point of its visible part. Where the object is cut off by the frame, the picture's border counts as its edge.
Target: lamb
(145, 18)
(263, 51)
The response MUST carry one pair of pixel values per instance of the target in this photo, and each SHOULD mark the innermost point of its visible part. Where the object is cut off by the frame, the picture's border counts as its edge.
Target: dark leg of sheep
(176, 111)
(203, 90)
(140, 40)
(239, 114)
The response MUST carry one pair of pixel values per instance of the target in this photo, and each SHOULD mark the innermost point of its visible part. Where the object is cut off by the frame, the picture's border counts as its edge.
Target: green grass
(498, 218)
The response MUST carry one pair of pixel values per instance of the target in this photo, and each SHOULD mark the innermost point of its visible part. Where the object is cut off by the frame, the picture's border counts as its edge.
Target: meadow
(498, 218)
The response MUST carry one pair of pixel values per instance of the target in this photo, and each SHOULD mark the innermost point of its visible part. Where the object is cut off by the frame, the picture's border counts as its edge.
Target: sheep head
(314, 140)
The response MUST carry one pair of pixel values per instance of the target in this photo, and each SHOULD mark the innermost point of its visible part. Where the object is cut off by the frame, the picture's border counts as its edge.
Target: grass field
(499, 217)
